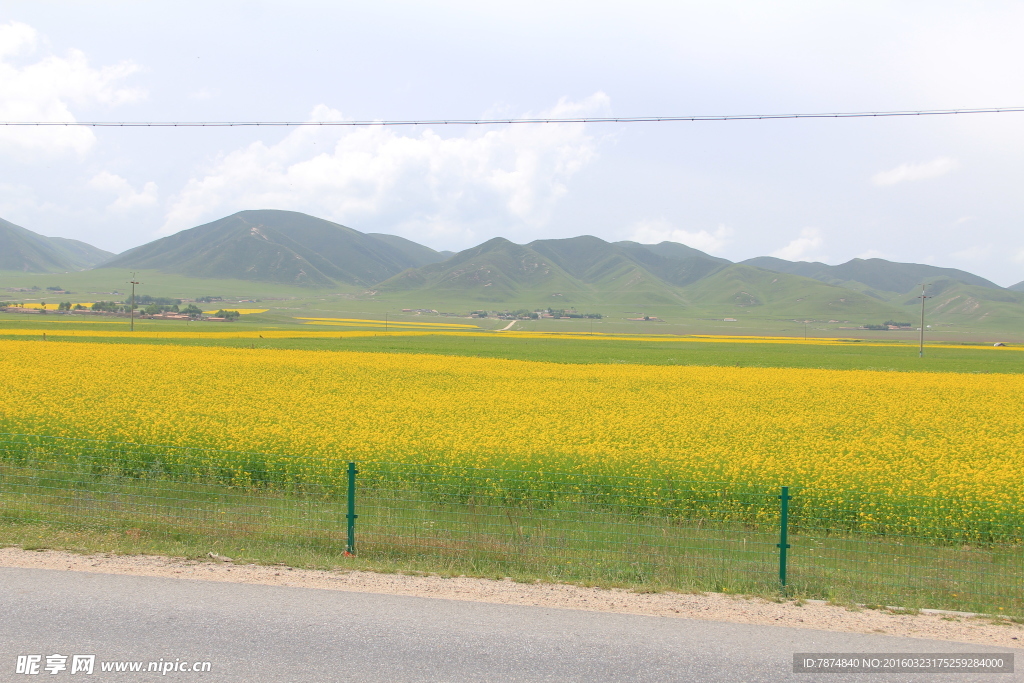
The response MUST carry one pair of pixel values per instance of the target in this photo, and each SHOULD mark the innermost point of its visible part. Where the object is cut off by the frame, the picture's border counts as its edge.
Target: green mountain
(673, 262)
(1019, 287)
(417, 254)
(24, 250)
(496, 270)
(278, 246)
(577, 270)
(676, 251)
(875, 273)
(286, 247)
(597, 262)
(738, 287)
(605, 272)
(951, 301)
(955, 297)
(588, 270)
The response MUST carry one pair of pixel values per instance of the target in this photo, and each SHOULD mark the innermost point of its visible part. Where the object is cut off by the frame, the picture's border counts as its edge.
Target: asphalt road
(252, 633)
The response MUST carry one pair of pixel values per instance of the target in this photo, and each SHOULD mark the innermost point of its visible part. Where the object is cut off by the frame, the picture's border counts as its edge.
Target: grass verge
(409, 527)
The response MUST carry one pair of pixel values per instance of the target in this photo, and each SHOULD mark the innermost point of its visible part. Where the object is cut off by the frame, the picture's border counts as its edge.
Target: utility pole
(920, 353)
(131, 303)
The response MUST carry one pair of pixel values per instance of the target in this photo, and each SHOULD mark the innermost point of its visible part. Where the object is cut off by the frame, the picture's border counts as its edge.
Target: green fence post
(352, 472)
(783, 534)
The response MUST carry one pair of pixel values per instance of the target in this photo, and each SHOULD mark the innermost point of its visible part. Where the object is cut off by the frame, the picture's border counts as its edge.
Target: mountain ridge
(22, 249)
(289, 247)
(876, 273)
(278, 246)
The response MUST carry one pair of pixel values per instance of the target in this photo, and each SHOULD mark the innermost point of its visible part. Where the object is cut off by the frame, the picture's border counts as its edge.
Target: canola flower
(381, 325)
(159, 331)
(208, 331)
(393, 322)
(305, 413)
(61, 320)
(52, 305)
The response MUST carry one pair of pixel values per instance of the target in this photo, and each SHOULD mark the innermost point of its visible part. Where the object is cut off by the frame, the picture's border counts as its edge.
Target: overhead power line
(492, 122)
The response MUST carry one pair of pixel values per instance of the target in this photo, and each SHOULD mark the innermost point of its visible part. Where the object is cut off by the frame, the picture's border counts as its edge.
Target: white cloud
(17, 38)
(417, 183)
(1019, 257)
(922, 171)
(127, 197)
(44, 91)
(802, 248)
(979, 252)
(660, 230)
(18, 200)
(204, 94)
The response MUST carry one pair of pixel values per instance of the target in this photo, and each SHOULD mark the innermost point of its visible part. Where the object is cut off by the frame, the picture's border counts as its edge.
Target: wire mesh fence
(574, 527)
(560, 526)
(183, 492)
(929, 552)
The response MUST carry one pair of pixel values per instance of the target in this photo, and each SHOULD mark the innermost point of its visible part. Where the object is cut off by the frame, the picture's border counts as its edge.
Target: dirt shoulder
(709, 606)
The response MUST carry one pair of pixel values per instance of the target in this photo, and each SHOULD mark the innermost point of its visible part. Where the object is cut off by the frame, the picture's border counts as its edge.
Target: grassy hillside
(955, 303)
(607, 267)
(674, 263)
(312, 265)
(782, 315)
(674, 250)
(579, 271)
(26, 251)
(740, 288)
(100, 283)
(275, 246)
(495, 271)
(875, 273)
(415, 254)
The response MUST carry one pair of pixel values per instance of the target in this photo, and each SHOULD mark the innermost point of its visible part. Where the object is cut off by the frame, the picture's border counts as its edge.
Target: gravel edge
(933, 625)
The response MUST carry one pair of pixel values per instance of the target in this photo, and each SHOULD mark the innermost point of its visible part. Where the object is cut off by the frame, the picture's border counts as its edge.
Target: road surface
(253, 633)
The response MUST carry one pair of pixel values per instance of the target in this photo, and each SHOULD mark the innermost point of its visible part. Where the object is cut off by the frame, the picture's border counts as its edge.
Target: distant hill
(594, 261)
(24, 250)
(417, 254)
(675, 263)
(875, 273)
(493, 271)
(574, 270)
(748, 288)
(675, 250)
(278, 246)
(1019, 287)
(288, 247)
(624, 271)
(952, 301)
(588, 270)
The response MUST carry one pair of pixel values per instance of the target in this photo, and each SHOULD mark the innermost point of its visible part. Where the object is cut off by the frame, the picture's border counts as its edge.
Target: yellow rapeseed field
(896, 434)
(364, 321)
(52, 306)
(161, 330)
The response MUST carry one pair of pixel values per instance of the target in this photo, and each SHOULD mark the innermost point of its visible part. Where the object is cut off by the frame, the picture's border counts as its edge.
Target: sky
(943, 190)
